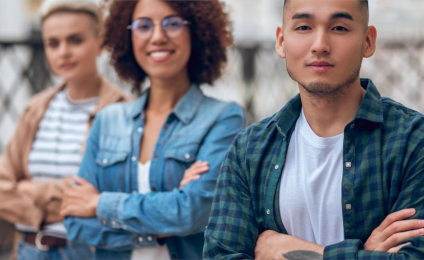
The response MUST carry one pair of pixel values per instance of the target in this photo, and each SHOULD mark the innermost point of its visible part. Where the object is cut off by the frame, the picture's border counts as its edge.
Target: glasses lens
(142, 28)
(173, 26)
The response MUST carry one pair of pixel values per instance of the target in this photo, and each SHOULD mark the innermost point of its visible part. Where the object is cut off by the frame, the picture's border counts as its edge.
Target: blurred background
(255, 76)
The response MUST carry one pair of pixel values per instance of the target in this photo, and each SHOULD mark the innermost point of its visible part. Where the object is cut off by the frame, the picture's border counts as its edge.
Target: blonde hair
(49, 7)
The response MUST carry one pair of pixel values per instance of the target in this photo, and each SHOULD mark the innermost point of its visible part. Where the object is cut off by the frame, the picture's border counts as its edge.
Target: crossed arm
(385, 238)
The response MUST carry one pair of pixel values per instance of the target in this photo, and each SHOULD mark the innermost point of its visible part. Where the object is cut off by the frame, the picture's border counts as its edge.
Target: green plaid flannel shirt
(383, 159)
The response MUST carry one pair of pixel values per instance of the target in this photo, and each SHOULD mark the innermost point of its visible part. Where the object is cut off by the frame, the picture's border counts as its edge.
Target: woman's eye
(52, 44)
(75, 40)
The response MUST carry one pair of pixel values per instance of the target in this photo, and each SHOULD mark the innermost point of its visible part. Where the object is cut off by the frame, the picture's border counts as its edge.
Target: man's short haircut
(49, 7)
(363, 3)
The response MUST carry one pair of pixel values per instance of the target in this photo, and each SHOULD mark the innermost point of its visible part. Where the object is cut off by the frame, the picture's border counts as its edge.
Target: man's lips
(320, 66)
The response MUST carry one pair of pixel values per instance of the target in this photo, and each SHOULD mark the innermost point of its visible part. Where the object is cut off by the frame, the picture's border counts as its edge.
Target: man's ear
(370, 42)
(279, 44)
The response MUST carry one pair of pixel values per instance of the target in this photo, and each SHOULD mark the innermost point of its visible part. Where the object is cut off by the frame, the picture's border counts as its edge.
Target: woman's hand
(80, 200)
(193, 173)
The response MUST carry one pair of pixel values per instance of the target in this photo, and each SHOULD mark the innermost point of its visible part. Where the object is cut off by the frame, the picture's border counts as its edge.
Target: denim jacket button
(149, 238)
(133, 159)
(187, 156)
(140, 129)
(104, 222)
(140, 239)
(104, 161)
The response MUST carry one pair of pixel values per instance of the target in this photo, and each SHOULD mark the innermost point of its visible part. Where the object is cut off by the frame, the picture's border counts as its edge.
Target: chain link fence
(255, 77)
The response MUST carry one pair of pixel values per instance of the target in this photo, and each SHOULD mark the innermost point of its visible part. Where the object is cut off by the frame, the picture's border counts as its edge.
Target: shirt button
(352, 126)
(133, 159)
(140, 129)
(276, 167)
(104, 222)
(104, 161)
(268, 211)
(149, 238)
(140, 239)
(348, 164)
(187, 156)
(348, 206)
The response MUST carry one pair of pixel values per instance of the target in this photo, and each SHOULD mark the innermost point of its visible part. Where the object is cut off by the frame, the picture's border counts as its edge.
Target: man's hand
(273, 245)
(81, 200)
(393, 230)
(193, 173)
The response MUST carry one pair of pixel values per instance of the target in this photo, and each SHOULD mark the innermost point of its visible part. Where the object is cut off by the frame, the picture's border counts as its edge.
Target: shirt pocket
(111, 165)
(178, 158)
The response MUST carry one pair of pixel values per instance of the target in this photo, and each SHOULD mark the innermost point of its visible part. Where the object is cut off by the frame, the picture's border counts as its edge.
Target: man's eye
(303, 28)
(340, 29)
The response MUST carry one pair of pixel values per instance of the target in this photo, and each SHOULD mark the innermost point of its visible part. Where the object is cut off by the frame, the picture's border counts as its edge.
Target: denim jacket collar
(184, 110)
(371, 109)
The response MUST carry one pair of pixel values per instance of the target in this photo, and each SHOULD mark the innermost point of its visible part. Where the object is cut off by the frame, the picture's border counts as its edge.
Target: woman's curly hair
(210, 37)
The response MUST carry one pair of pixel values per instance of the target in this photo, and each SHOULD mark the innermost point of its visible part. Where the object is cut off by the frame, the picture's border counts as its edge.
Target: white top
(57, 148)
(311, 186)
(148, 253)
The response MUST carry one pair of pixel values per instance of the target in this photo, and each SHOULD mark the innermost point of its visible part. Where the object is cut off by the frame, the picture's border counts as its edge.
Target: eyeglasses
(172, 26)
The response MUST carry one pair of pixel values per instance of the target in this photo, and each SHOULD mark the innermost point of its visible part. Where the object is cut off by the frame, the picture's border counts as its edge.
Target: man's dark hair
(363, 3)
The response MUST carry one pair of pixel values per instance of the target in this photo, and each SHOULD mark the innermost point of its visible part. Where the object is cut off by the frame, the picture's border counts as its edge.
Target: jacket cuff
(347, 249)
(107, 208)
(108, 214)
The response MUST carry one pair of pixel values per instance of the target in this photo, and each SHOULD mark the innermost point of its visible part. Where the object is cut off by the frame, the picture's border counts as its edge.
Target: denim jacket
(199, 128)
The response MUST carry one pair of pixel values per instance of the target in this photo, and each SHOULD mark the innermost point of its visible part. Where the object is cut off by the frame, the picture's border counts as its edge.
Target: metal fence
(255, 77)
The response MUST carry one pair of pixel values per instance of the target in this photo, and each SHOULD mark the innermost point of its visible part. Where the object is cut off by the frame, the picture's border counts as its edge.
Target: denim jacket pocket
(179, 158)
(109, 158)
(185, 152)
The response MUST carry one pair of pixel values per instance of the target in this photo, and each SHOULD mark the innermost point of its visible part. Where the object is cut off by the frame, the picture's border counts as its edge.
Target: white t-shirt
(310, 187)
(148, 253)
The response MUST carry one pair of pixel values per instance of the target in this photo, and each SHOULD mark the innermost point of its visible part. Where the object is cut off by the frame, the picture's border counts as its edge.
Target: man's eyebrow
(341, 16)
(302, 16)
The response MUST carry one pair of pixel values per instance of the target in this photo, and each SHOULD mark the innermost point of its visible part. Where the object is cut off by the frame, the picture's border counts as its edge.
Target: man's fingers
(401, 236)
(395, 250)
(395, 216)
(401, 226)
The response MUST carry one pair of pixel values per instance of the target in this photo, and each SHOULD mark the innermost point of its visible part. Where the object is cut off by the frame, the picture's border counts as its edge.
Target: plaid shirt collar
(371, 110)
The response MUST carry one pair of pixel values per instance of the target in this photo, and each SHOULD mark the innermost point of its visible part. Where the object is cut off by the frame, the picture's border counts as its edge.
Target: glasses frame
(130, 27)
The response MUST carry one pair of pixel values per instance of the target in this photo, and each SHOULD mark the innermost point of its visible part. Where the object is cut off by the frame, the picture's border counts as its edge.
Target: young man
(338, 173)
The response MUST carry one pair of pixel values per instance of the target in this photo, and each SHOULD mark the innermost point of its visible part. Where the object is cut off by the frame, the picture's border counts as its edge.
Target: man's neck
(329, 116)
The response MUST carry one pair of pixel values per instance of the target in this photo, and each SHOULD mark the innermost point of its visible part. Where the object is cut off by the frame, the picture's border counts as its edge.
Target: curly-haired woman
(128, 202)
(48, 144)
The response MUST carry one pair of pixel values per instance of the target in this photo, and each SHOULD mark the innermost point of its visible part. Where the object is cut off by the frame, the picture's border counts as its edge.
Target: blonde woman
(49, 140)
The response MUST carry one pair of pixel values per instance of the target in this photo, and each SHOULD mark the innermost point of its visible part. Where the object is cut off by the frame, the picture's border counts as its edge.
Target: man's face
(324, 42)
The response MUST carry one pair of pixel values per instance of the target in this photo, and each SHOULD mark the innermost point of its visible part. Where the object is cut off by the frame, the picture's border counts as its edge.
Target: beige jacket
(22, 200)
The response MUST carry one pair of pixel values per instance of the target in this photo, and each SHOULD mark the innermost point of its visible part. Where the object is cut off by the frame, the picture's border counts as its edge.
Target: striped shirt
(57, 148)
